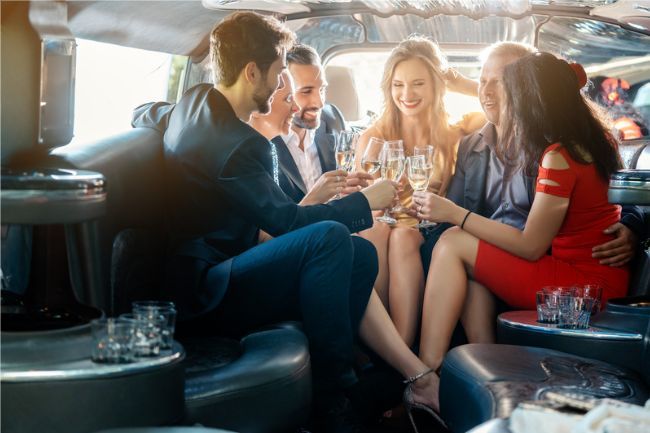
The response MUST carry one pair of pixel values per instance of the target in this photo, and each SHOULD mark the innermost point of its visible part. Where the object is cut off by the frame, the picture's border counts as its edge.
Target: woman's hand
(432, 207)
(356, 181)
(327, 186)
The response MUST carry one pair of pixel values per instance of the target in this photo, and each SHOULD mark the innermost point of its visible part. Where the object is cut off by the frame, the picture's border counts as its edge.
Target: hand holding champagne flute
(418, 176)
(427, 153)
(392, 167)
(344, 152)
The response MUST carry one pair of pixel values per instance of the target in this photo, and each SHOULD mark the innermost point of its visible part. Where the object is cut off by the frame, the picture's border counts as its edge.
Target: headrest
(342, 92)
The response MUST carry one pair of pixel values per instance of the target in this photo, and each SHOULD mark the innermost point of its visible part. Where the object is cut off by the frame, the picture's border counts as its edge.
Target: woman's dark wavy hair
(544, 106)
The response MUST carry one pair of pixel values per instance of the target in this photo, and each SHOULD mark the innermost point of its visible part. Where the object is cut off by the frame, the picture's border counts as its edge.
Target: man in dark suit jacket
(224, 270)
(307, 152)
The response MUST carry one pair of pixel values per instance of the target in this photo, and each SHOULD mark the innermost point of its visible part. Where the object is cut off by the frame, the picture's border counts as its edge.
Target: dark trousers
(319, 275)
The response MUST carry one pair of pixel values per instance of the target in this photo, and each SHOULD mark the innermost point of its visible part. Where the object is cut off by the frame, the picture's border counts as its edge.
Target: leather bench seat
(260, 384)
(164, 430)
(484, 381)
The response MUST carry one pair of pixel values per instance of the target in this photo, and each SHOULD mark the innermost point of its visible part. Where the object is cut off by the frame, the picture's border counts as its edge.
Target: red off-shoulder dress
(515, 280)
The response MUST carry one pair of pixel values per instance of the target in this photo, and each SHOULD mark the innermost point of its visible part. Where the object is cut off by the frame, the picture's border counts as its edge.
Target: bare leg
(406, 282)
(379, 333)
(445, 293)
(478, 315)
(378, 234)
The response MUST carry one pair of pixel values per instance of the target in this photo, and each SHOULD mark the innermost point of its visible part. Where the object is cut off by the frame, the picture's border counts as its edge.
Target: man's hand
(381, 194)
(356, 181)
(329, 184)
(619, 250)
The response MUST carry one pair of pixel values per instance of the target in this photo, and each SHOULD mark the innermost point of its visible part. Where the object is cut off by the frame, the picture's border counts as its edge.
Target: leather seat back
(132, 163)
(342, 92)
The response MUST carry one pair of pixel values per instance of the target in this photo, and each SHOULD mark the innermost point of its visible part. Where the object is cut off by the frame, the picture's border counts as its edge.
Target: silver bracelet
(417, 376)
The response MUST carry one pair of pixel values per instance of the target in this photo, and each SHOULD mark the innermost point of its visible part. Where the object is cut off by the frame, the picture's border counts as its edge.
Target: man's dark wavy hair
(544, 106)
(245, 37)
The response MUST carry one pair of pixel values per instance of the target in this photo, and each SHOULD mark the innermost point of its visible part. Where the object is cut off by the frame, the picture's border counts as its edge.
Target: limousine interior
(83, 232)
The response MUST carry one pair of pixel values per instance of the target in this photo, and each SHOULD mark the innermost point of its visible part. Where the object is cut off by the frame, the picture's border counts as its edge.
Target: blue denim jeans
(318, 274)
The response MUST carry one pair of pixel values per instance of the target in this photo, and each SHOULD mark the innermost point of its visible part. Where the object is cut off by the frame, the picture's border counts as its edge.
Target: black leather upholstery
(267, 388)
(484, 381)
(259, 384)
(164, 430)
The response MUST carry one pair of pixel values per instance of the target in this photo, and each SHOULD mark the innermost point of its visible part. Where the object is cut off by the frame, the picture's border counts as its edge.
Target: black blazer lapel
(325, 144)
(288, 165)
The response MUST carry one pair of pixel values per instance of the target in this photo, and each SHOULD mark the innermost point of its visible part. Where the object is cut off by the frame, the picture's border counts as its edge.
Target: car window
(112, 80)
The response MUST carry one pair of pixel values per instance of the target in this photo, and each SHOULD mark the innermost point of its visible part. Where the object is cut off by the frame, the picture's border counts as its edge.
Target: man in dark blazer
(307, 152)
(242, 254)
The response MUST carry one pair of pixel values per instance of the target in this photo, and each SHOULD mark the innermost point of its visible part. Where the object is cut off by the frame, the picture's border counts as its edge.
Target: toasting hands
(428, 206)
(381, 194)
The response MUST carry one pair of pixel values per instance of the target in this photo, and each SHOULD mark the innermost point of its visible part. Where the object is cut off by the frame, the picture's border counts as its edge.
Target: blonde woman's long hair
(389, 123)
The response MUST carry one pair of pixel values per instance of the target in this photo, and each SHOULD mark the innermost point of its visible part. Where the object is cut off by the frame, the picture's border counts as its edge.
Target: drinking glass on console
(113, 340)
(163, 309)
(392, 168)
(547, 306)
(428, 153)
(594, 292)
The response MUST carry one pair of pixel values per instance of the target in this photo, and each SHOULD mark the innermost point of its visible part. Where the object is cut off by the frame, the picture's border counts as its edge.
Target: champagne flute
(392, 167)
(428, 153)
(344, 152)
(418, 175)
(371, 159)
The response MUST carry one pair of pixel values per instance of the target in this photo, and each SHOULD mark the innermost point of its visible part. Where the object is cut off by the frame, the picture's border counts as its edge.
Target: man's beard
(303, 123)
(262, 99)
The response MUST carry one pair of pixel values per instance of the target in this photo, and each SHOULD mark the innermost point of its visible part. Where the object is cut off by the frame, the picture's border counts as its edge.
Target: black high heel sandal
(410, 404)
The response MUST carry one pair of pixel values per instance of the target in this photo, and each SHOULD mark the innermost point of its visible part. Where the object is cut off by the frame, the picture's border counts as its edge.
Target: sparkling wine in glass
(371, 159)
(392, 167)
(345, 147)
(428, 153)
(418, 173)
(344, 151)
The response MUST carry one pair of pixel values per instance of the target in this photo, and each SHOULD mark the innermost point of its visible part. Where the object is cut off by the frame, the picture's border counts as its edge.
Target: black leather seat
(484, 381)
(261, 383)
(164, 430)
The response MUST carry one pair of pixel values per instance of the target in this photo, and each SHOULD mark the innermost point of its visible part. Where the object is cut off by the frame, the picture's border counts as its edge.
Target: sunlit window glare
(110, 82)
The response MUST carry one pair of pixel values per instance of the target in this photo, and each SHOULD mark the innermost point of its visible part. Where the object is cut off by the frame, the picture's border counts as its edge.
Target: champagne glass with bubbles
(392, 167)
(427, 152)
(344, 152)
(371, 159)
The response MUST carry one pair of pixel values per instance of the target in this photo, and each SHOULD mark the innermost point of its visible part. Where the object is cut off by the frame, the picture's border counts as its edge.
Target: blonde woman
(416, 77)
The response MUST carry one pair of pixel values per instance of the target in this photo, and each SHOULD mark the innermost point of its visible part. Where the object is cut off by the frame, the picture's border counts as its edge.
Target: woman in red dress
(558, 130)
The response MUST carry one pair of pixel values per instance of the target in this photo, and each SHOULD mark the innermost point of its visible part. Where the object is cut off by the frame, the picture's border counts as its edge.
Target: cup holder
(37, 318)
(37, 334)
(630, 304)
(629, 314)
